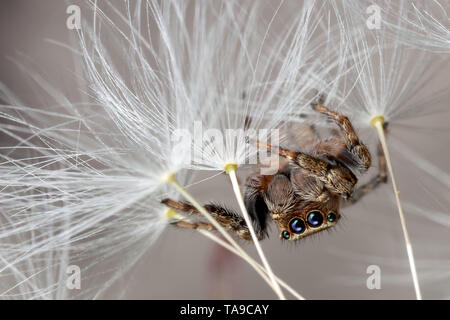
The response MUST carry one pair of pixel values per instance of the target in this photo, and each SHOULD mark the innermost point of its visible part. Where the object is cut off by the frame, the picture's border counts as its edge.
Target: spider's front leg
(337, 178)
(353, 144)
(381, 177)
(227, 218)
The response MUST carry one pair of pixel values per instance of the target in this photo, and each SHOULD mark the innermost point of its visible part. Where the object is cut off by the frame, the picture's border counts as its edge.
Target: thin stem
(379, 126)
(258, 268)
(231, 170)
(171, 180)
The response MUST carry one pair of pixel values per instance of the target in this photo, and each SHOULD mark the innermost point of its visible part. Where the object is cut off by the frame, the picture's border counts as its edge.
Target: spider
(305, 195)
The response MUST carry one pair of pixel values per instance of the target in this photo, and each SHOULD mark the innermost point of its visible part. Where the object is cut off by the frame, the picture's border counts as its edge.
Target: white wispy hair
(388, 78)
(72, 201)
(426, 25)
(381, 80)
(224, 69)
(81, 181)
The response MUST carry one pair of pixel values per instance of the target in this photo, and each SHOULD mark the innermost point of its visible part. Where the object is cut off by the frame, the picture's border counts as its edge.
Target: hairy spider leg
(380, 178)
(227, 218)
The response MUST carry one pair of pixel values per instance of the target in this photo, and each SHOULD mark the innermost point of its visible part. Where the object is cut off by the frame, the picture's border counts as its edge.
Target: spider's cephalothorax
(298, 203)
(304, 196)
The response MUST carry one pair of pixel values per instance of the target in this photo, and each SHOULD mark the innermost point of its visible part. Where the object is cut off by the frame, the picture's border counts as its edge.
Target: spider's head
(306, 219)
(300, 213)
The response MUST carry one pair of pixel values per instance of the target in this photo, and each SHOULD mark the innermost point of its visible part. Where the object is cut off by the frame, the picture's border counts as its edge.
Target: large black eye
(315, 219)
(331, 217)
(297, 225)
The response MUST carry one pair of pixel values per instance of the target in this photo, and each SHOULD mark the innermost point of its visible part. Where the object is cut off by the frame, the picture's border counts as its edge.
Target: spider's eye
(331, 217)
(285, 234)
(297, 225)
(315, 219)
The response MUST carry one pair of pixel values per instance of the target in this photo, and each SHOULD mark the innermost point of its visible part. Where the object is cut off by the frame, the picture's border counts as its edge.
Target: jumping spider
(304, 196)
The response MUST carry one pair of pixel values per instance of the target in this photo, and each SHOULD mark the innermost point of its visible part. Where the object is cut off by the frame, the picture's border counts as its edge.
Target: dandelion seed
(383, 83)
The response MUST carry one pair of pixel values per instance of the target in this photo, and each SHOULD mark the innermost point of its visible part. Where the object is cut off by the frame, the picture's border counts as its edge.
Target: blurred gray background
(184, 265)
